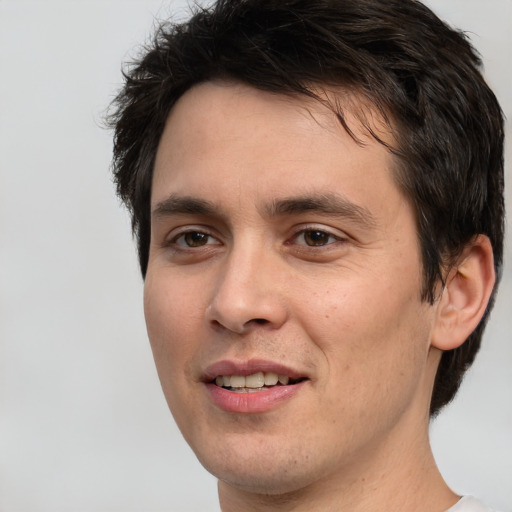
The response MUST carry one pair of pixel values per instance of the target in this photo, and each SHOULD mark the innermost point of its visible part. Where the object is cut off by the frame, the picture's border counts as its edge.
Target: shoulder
(469, 504)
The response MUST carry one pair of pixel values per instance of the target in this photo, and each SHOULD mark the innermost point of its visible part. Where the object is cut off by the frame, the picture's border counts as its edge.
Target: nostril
(260, 321)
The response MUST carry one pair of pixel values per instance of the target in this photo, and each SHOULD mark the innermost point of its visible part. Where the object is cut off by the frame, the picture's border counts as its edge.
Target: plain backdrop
(83, 423)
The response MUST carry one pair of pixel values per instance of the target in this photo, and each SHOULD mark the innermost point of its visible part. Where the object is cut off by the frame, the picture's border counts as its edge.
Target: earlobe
(465, 296)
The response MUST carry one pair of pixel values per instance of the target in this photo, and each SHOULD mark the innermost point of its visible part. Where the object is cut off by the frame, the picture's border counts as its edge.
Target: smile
(253, 383)
(252, 387)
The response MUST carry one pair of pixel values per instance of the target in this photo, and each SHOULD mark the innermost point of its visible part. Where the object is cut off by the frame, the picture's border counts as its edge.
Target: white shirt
(468, 504)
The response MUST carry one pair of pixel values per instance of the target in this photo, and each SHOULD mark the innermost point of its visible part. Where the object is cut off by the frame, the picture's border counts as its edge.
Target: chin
(263, 481)
(263, 470)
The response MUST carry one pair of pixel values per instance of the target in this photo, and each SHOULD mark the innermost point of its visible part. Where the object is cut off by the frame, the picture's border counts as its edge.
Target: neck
(400, 476)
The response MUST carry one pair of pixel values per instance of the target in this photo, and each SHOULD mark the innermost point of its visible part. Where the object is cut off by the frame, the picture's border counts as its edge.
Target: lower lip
(252, 403)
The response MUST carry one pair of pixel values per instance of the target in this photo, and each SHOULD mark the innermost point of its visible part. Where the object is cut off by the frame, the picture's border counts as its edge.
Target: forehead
(224, 135)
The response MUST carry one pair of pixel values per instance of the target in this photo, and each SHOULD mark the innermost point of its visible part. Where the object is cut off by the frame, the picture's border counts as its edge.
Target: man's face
(282, 250)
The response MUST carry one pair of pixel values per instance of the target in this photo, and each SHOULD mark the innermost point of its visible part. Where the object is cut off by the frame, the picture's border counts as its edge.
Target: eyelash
(300, 234)
(315, 230)
(174, 241)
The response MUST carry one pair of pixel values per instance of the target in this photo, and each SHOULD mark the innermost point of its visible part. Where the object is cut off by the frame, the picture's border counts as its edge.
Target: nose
(248, 293)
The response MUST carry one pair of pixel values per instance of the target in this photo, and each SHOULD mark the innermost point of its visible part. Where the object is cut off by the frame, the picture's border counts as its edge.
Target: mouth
(253, 385)
(255, 382)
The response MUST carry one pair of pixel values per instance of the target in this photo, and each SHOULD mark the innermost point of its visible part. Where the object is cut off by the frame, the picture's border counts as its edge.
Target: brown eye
(193, 239)
(317, 237)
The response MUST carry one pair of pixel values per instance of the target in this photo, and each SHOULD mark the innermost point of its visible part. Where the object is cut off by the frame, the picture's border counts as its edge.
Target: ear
(464, 299)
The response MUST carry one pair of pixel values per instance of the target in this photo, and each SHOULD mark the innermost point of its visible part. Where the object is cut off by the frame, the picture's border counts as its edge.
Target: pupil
(316, 237)
(195, 239)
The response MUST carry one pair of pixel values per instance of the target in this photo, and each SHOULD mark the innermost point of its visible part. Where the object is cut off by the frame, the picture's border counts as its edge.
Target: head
(421, 77)
(437, 117)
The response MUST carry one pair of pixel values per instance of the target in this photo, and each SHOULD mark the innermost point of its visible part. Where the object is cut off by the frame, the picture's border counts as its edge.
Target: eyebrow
(326, 204)
(176, 205)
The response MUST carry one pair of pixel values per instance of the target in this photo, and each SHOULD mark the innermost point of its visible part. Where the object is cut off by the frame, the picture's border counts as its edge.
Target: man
(316, 188)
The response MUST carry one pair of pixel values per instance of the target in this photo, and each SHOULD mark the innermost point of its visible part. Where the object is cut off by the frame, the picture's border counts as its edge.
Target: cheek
(171, 307)
(170, 325)
(171, 321)
(374, 339)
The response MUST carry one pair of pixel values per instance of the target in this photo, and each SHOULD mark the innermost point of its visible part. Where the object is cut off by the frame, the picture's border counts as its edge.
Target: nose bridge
(247, 291)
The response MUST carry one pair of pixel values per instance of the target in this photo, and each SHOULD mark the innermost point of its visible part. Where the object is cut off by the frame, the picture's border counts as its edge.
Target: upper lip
(249, 367)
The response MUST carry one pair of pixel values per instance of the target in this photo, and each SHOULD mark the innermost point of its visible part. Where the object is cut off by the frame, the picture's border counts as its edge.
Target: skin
(345, 312)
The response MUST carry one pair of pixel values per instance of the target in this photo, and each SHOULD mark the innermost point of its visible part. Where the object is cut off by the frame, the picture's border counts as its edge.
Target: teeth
(257, 380)
(254, 381)
(237, 381)
(271, 379)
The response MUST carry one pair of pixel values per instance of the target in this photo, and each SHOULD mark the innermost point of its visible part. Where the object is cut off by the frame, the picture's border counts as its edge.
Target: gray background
(83, 423)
